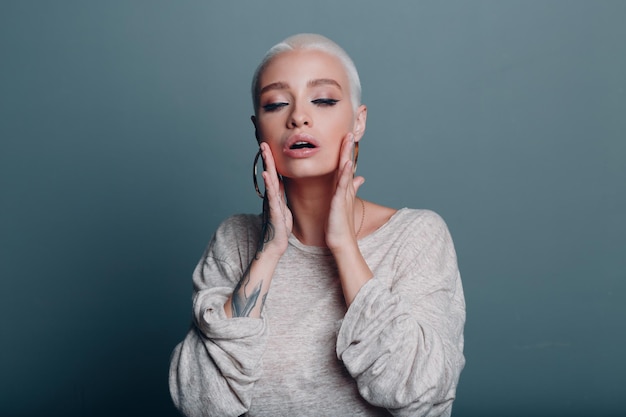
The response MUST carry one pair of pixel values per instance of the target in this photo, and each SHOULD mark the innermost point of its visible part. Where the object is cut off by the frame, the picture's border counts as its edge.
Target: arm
(248, 297)
(340, 233)
(213, 370)
(403, 343)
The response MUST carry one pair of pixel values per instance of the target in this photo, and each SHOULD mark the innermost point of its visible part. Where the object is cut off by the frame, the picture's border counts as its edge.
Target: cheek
(277, 155)
(269, 130)
(344, 121)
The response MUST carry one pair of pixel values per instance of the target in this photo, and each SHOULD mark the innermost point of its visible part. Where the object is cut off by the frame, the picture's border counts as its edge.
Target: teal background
(125, 140)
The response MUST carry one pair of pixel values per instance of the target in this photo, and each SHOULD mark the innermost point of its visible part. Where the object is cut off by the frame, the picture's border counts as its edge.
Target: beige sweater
(398, 349)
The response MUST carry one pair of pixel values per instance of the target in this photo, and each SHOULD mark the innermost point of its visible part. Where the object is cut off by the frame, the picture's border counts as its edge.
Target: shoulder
(239, 224)
(425, 242)
(424, 218)
(237, 233)
(424, 225)
(408, 222)
(417, 229)
(426, 234)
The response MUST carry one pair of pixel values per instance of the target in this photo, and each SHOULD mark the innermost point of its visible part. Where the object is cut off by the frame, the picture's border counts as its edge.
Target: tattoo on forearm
(245, 299)
(243, 303)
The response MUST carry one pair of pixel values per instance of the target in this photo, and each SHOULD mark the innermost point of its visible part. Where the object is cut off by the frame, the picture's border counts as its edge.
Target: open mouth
(302, 145)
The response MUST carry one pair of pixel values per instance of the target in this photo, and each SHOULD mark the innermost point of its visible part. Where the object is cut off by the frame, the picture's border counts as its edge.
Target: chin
(303, 169)
(310, 175)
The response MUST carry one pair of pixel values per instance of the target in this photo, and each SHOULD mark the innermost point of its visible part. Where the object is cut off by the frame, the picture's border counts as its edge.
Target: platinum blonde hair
(314, 42)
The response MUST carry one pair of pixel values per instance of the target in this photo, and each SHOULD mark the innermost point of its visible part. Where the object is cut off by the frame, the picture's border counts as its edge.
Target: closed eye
(274, 106)
(325, 102)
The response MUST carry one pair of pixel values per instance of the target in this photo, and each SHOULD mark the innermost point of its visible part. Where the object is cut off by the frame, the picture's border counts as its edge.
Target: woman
(327, 304)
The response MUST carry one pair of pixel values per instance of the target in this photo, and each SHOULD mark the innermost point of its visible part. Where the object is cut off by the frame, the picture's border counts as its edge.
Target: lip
(302, 152)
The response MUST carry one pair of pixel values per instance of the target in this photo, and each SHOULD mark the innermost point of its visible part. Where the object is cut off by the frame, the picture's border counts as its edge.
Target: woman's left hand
(340, 227)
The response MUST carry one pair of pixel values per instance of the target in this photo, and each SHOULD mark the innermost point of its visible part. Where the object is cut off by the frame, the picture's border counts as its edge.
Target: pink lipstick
(300, 145)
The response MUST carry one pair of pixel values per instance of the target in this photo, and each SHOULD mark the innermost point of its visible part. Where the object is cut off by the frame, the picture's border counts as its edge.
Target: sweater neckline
(324, 251)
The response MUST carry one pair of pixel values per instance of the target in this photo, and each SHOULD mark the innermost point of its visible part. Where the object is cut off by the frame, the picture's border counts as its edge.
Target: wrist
(347, 248)
(271, 253)
(353, 270)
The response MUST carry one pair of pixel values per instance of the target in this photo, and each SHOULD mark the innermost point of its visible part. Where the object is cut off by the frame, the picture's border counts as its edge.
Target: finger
(270, 168)
(268, 158)
(346, 149)
(272, 188)
(345, 176)
(274, 201)
(274, 185)
(357, 182)
(281, 191)
(270, 177)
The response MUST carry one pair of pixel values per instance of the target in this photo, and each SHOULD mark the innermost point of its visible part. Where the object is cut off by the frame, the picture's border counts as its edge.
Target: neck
(309, 201)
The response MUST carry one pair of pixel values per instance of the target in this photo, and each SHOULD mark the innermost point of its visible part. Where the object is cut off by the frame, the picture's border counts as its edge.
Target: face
(305, 112)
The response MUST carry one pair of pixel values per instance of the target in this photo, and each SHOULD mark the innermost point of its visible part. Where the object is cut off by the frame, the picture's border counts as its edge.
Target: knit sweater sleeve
(402, 337)
(213, 370)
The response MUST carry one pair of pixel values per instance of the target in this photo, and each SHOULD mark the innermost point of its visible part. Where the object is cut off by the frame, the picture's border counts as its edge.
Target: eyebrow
(323, 81)
(313, 83)
(274, 86)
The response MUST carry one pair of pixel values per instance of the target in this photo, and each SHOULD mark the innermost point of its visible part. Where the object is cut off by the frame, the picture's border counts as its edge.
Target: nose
(298, 117)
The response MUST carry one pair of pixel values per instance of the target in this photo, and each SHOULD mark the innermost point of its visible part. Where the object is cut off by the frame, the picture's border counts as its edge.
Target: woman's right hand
(278, 217)
(249, 295)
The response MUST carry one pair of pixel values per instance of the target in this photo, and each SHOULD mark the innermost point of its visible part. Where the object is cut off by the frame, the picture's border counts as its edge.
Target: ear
(359, 122)
(256, 130)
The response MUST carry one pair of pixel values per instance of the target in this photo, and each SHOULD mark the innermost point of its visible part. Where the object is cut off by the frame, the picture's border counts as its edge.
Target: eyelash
(273, 106)
(322, 102)
(325, 102)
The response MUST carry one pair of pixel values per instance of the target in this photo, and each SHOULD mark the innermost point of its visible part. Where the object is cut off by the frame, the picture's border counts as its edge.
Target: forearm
(406, 362)
(354, 272)
(214, 369)
(248, 297)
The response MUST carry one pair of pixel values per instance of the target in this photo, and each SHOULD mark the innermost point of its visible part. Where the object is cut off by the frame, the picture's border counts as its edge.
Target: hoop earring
(254, 175)
(355, 156)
